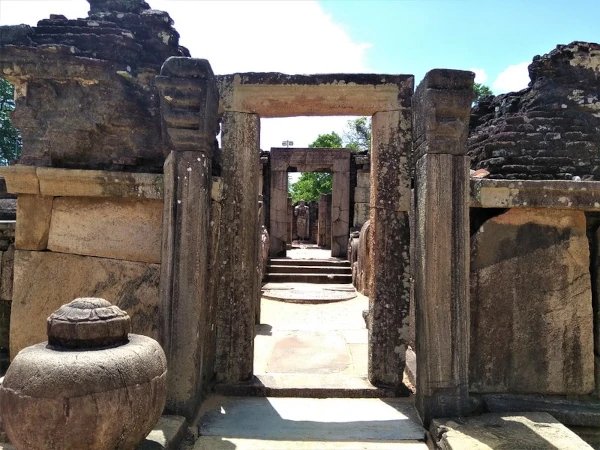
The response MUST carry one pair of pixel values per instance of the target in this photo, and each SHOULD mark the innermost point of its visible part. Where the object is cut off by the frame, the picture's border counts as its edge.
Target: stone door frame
(387, 98)
(333, 160)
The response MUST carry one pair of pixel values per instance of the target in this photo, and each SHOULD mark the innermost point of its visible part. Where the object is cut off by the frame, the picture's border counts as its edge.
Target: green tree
(331, 140)
(10, 137)
(358, 134)
(310, 186)
(481, 90)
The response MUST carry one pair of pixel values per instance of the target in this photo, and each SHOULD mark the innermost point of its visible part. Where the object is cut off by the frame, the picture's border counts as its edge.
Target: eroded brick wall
(551, 130)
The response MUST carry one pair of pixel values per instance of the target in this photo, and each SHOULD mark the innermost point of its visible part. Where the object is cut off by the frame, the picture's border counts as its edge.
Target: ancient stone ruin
(491, 284)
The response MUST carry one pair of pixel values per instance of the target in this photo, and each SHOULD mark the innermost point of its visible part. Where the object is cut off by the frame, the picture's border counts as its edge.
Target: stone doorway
(334, 160)
(387, 99)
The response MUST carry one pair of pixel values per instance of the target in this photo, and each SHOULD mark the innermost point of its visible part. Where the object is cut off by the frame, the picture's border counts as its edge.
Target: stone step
(308, 278)
(309, 262)
(309, 269)
(308, 385)
(309, 423)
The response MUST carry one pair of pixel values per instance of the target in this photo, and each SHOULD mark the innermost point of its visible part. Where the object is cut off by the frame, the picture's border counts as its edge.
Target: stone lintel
(560, 194)
(53, 182)
(281, 95)
(310, 159)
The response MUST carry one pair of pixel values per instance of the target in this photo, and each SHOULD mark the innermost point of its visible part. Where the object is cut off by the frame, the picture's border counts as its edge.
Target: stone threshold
(52, 182)
(580, 195)
(309, 386)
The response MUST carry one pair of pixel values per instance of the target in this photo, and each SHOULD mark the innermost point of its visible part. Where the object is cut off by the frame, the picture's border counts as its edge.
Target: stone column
(328, 223)
(321, 220)
(238, 282)
(189, 103)
(390, 239)
(442, 105)
(290, 224)
(340, 206)
(279, 216)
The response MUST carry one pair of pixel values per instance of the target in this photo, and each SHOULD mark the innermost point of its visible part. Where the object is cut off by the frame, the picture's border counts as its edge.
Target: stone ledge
(53, 182)
(513, 430)
(581, 195)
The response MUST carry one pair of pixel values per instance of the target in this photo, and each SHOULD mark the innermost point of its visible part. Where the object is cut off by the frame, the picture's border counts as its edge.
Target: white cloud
(480, 75)
(513, 78)
(244, 36)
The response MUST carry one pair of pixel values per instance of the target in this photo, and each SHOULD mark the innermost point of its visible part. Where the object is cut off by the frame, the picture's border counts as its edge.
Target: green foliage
(10, 138)
(481, 90)
(310, 185)
(331, 140)
(358, 134)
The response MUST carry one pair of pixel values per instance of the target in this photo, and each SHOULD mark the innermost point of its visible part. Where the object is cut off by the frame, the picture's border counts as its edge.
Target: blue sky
(495, 38)
(414, 36)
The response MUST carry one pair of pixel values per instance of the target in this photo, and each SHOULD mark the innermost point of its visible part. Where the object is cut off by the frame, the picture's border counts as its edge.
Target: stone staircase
(321, 271)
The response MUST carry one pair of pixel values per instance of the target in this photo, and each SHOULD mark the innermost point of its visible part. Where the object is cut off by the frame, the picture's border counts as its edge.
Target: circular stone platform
(308, 292)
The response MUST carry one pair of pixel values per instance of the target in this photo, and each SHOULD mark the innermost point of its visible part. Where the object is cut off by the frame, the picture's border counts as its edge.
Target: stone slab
(318, 353)
(531, 430)
(55, 182)
(531, 292)
(43, 281)
(33, 224)
(302, 419)
(582, 195)
(166, 434)
(99, 183)
(120, 228)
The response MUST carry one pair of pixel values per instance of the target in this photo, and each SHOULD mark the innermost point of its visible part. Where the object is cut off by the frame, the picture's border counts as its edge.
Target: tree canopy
(331, 140)
(358, 134)
(310, 185)
(10, 137)
(481, 90)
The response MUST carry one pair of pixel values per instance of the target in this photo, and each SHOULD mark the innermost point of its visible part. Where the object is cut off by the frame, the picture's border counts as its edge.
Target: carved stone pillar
(442, 105)
(189, 103)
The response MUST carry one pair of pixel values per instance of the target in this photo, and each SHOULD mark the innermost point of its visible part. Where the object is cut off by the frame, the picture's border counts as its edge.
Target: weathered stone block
(6, 277)
(361, 195)
(361, 214)
(531, 304)
(363, 179)
(43, 280)
(119, 228)
(33, 222)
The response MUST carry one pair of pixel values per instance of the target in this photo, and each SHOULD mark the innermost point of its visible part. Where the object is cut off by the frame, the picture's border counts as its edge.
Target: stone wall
(550, 130)
(97, 71)
(83, 234)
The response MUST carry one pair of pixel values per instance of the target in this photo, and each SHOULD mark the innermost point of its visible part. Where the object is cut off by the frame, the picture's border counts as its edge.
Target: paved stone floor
(317, 339)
